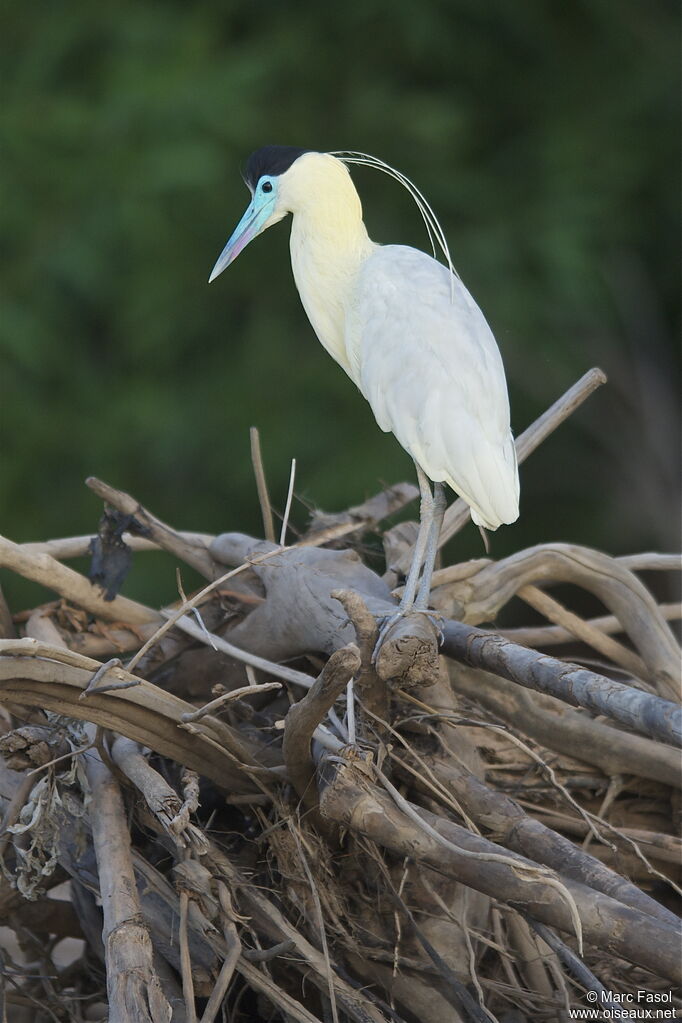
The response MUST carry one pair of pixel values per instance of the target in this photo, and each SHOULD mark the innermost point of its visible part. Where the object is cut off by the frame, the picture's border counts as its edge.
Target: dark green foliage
(545, 137)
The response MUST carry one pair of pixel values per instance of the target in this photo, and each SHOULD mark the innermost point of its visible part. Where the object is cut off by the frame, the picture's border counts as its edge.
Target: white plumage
(402, 326)
(432, 373)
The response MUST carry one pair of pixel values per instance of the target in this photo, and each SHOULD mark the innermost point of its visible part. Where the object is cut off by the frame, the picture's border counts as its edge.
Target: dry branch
(458, 513)
(660, 719)
(366, 515)
(347, 798)
(508, 824)
(304, 717)
(43, 569)
(133, 987)
(33, 676)
(316, 621)
(550, 722)
(193, 553)
(581, 630)
(388, 906)
(480, 597)
(554, 635)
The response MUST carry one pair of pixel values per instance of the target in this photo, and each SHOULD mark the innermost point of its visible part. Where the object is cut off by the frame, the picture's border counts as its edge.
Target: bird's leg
(439, 505)
(426, 514)
(426, 524)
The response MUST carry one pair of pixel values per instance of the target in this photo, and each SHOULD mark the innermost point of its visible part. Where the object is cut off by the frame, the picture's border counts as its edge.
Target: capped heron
(403, 327)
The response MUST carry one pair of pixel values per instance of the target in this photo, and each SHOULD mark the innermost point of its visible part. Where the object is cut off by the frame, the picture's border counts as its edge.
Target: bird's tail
(494, 501)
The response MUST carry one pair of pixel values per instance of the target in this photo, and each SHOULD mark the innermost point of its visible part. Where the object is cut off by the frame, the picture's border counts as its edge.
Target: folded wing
(428, 364)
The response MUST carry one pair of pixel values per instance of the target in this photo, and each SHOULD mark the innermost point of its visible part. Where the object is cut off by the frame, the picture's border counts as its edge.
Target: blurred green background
(545, 136)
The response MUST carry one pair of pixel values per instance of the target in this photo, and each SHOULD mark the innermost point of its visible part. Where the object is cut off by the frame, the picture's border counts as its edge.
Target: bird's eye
(266, 186)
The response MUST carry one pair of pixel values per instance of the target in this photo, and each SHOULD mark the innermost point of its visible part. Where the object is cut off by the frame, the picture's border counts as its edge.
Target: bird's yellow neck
(329, 243)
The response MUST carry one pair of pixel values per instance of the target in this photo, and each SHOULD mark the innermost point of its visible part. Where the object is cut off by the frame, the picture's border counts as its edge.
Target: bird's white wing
(428, 364)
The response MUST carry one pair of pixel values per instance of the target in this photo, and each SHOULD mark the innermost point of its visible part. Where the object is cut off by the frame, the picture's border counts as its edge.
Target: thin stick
(195, 555)
(261, 485)
(185, 959)
(574, 965)
(350, 710)
(58, 760)
(133, 987)
(651, 562)
(14, 808)
(299, 678)
(320, 920)
(290, 494)
(551, 635)
(65, 547)
(173, 617)
(234, 694)
(458, 513)
(7, 630)
(195, 610)
(234, 950)
(555, 612)
(651, 715)
(179, 614)
(73, 586)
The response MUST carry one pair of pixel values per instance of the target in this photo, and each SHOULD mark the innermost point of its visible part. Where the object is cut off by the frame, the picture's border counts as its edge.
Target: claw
(389, 621)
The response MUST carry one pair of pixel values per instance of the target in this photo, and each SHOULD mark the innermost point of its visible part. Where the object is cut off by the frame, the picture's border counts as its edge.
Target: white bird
(403, 327)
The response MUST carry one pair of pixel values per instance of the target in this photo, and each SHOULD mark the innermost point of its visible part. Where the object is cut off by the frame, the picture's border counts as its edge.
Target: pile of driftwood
(260, 821)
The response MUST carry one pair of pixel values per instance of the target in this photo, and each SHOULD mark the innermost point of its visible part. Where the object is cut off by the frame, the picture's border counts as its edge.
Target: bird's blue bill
(251, 224)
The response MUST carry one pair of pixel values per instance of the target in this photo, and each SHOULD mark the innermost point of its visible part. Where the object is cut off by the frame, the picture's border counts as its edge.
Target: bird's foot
(388, 621)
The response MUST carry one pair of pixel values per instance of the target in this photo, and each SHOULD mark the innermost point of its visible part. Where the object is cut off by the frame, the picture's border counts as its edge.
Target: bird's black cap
(272, 160)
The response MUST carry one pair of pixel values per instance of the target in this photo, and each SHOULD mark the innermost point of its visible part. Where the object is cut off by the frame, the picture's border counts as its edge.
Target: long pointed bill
(251, 224)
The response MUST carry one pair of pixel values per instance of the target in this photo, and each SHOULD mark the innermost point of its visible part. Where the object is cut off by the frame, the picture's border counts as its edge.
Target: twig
(366, 515)
(651, 562)
(531, 872)
(95, 685)
(73, 586)
(287, 508)
(36, 674)
(511, 826)
(234, 950)
(58, 760)
(185, 959)
(66, 547)
(280, 670)
(370, 687)
(266, 955)
(613, 885)
(233, 694)
(459, 995)
(13, 811)
(580, 629)
(261, 485)
(174, 616)
(7, 629)
(480, 597)
(350, 711)
(554, 635)
(162, 800)
(320, 919)
(165, 536)
(349, 800)
(458, 513)
(577, 968)
(270, 920)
